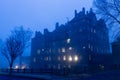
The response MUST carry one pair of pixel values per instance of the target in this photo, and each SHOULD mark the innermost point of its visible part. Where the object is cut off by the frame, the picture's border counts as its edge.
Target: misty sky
(37, 14)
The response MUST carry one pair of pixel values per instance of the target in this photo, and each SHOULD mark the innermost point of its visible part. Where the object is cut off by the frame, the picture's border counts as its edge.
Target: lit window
(64, 58)
(76, 58)
(91, 48)
(70, 48)
(49, 58)
(90, 58)
(50, 50)
(38, 51)
(58, 66)
(34, 59)
(80, 30)
(63, 49)
(68, 40)
(70, 58)
(59, 50)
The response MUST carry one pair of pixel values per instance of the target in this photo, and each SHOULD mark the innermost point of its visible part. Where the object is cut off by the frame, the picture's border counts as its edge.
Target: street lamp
(16, 67)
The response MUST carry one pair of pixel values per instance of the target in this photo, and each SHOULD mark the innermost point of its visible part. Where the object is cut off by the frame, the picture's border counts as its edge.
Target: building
(70, 45)
(116, 52)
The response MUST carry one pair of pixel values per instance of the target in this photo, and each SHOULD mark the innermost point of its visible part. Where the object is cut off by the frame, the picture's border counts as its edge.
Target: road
(108, 75)
(17, 78)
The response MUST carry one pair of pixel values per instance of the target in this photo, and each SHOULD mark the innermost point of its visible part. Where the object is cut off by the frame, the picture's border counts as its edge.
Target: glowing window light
(68, 40)
(63, 49)
(70, 48)
(76, 58)
(64, 58)
(70, 58)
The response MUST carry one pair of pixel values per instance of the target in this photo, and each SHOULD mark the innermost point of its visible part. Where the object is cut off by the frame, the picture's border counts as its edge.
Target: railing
(64, 71)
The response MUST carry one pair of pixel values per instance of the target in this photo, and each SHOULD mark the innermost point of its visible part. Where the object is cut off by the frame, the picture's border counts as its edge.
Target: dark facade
(72, 44)
(116, 52)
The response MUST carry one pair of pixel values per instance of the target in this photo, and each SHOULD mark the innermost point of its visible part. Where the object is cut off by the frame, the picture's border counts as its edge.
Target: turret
(56, 25)
(83, 10)
(38, 34)
(75, 13)
(46, 31)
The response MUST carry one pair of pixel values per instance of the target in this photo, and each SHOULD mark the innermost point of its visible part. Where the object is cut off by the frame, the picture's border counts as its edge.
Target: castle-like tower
(72, 44)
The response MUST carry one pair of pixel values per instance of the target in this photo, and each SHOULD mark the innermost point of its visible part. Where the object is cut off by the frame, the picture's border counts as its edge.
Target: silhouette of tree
(109, 10)
(15, 44)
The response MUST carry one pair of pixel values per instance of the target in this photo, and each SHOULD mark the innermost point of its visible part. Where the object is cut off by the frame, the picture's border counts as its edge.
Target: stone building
(71, 44)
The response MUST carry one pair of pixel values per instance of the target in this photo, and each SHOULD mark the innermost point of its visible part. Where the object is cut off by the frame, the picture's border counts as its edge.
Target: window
(42, 49)
(70, 58)
(68, 40)
(90, 58)
(38, 51)
(59, 50)
(59, 58)
(91, 30)
(34, 59)
(91, 48)
(63, 49)
(76, 58)
(69, 66)
(64, 58)
(70, 48)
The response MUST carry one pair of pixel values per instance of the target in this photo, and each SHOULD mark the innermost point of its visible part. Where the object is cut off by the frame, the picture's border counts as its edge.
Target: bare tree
(109, 10)
(15, 44)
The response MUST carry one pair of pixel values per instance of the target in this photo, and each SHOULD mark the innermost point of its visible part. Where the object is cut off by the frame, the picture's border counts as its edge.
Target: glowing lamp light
(16, 67)
(70, 58)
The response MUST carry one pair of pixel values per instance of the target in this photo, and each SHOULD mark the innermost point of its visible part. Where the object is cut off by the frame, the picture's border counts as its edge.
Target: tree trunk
(11, 64)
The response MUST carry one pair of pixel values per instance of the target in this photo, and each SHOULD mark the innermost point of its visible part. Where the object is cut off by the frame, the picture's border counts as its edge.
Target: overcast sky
(37, 14)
